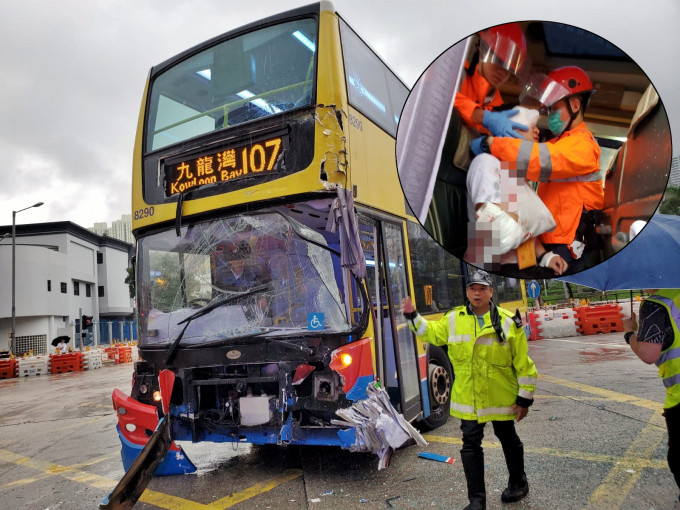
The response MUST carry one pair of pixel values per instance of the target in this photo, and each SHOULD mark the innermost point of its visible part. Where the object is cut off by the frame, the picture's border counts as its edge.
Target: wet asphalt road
(594, 438)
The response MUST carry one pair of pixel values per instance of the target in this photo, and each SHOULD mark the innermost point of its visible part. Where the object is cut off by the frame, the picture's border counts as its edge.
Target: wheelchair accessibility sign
(315, 321)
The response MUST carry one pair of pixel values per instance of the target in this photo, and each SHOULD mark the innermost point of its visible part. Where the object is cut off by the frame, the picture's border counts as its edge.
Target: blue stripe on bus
(426, 398)
(358, 391)
(174, 463)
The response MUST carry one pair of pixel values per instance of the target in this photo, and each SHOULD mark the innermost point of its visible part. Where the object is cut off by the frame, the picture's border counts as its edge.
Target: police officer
(494, 380)
(658, 341)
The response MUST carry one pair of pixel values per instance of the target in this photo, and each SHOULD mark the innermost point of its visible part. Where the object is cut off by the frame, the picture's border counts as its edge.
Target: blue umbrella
(650, 261)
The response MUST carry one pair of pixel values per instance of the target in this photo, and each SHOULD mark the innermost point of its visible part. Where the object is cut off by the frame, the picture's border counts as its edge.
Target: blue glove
(499, 123)
(476, 145)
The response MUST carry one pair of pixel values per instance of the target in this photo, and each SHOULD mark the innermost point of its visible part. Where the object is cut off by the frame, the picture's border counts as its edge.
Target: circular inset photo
(533, 149)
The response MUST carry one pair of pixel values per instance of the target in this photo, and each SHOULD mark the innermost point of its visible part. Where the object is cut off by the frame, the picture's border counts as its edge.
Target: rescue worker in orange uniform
(566, 167)
(502, 51)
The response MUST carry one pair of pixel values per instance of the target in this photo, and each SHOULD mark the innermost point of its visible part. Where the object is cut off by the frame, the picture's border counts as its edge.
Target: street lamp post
(14, 318)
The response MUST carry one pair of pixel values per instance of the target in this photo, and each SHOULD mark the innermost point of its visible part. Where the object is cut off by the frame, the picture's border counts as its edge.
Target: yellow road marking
(57, 470)
(159, 499)
(565, 397)
(608, 394)
(258, 488)
(70, 473)
(586, 456)
(169, 502)
(614, 490)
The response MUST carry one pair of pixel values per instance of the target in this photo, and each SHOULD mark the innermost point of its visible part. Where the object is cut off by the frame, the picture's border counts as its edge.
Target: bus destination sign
(225, 165)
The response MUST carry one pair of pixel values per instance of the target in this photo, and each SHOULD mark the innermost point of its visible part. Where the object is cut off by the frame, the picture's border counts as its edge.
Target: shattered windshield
(247, 274)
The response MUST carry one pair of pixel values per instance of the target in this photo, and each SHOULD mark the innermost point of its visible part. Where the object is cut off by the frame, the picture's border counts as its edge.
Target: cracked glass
(261, 273)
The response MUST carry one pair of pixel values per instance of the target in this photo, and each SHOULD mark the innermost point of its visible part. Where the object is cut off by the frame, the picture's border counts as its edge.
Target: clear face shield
(504, 52)
(542, 91)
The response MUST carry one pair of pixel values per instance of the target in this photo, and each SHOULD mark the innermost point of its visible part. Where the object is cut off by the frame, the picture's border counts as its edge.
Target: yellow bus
(274, 246)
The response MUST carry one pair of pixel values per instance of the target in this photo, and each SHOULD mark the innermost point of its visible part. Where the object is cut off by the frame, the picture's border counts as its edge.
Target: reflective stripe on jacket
(471, 96)
(489, 374)
(568, 170)
(669, 361)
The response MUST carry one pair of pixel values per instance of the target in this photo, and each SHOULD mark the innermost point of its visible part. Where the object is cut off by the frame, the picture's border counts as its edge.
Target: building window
(49, 285)
(88, 290)
(100, 289)
(100, 257)
(76, 288)
(63, 288)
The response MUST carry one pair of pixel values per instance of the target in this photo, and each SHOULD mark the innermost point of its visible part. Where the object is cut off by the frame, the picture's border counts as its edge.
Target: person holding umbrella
(61, 343)
(658, 341)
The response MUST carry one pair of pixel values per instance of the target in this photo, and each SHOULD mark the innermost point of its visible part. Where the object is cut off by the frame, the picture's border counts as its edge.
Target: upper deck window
(371, 87)
(251, 76)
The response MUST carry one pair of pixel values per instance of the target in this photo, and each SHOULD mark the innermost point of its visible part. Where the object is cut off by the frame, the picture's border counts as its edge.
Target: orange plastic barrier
(534, 322)
(591, 320)
(8, 368)
(109, 354)
(123, 354)
(70, 362)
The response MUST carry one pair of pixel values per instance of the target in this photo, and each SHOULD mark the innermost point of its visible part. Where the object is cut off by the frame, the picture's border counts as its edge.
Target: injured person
(506, 215)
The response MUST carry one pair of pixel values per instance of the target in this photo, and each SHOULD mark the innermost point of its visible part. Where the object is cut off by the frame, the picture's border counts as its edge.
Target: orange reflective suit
(471, 95)
(568, 170)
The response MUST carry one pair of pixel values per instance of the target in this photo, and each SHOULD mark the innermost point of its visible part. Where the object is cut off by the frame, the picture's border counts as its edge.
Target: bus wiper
(206, 310)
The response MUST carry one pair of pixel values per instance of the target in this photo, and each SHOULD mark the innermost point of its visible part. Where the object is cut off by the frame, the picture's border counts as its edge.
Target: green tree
(670, 204)
(130, 280)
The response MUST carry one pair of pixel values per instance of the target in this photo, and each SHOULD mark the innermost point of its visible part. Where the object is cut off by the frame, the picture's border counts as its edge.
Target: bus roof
(314, 8)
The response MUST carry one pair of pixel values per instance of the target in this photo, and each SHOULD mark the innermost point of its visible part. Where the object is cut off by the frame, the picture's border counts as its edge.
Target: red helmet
(559, 84)
(505, 46)
(572, 78)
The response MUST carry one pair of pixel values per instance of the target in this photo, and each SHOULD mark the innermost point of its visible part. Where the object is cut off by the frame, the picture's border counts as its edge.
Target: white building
(63, 271)
(120, 229)
(674, 179)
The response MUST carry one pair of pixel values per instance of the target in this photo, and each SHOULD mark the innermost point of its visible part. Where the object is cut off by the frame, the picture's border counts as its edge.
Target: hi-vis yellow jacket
(490, 376)
(669, 361)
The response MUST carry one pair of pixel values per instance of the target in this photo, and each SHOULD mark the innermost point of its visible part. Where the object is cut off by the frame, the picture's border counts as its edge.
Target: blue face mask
(555, 123)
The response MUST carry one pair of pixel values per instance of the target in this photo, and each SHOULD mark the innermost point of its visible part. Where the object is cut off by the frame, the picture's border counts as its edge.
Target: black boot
(514, 492)
(518, 486)
(513, 450)
(473, 465)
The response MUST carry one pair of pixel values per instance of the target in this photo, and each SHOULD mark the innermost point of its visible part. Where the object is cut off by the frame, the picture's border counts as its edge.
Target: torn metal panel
(335, 157)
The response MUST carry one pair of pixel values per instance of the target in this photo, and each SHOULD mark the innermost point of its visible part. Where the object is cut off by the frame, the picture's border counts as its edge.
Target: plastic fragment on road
(389, 501)
(379, 427)
(437, 457)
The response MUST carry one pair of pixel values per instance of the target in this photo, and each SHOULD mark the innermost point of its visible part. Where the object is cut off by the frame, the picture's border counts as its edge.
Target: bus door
(396, 356)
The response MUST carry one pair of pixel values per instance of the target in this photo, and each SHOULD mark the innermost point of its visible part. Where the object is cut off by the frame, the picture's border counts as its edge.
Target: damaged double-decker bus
(273, 248)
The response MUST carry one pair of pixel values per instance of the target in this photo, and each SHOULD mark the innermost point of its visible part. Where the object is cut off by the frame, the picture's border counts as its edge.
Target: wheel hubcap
(440, 384)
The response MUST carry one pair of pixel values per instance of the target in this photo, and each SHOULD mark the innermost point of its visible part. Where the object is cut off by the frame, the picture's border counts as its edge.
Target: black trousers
(472, 455)
(673, 424)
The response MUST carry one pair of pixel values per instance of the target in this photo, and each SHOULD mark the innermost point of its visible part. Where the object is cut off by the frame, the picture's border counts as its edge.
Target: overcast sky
(74, 72)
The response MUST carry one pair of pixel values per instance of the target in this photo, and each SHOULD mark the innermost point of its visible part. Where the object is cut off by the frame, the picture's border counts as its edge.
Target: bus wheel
(439, 382)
